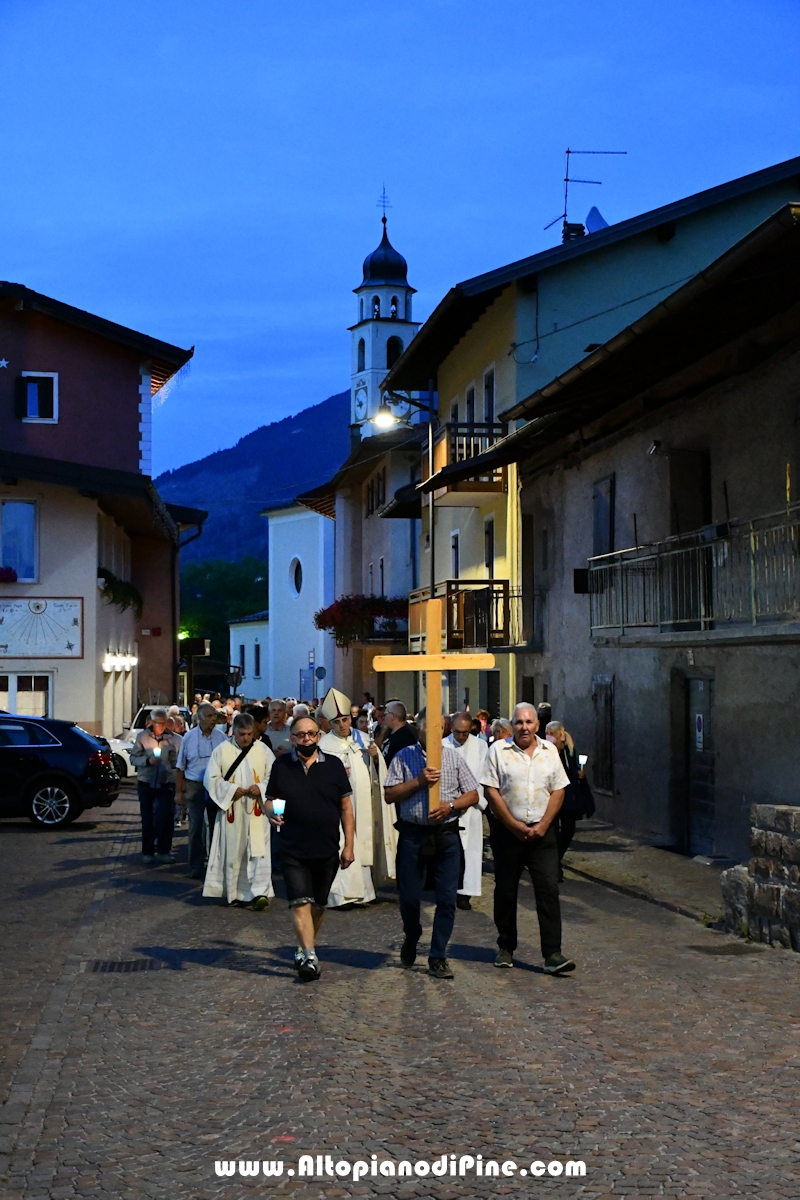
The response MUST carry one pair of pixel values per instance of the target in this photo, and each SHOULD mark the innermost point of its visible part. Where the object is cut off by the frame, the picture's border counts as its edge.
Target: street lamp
(384, 419)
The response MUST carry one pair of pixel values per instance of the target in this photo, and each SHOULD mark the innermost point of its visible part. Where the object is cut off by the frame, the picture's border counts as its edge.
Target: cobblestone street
(669, 1062)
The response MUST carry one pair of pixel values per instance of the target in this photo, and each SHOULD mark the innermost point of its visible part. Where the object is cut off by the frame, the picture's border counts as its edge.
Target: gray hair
(300, 710)
(204, 709)
(500, 724)
(397, 709)
(243, 721)
(524, 704)
(158, 714)
(555, 727)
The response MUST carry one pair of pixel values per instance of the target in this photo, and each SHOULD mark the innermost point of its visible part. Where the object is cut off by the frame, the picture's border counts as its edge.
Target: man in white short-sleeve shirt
(524, 783)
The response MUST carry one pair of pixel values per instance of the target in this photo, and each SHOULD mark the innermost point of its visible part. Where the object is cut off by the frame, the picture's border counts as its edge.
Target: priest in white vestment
(376, 837)
(239, 863)
(474, 750)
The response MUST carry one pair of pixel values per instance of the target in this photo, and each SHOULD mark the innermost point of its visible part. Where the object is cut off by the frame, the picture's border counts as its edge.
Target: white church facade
(279, 652)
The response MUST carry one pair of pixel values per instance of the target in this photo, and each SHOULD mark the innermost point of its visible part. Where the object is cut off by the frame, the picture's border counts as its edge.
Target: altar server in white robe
(474, 750)
(376, 838)
(239, 864)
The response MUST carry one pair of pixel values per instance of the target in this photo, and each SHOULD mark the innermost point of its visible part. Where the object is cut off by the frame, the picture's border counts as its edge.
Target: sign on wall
(39, 627)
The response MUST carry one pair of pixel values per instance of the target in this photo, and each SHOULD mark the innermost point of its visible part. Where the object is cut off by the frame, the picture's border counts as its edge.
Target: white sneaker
(308, 967)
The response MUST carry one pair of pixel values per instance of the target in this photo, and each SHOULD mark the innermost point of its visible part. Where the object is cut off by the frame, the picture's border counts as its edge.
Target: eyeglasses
(306, 737)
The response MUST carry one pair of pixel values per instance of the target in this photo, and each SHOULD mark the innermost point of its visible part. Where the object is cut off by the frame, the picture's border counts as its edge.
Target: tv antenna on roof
(383, 201)
(567, 181)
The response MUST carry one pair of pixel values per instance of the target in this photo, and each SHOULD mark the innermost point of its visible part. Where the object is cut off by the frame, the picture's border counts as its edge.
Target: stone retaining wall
(762, 900)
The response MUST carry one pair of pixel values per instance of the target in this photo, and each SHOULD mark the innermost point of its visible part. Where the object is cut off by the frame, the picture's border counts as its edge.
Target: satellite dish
(320, 672)
(595, 221)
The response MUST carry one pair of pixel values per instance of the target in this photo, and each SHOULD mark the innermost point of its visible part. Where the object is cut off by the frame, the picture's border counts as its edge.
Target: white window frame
(24, 500)
(43, 375)
(13, 676)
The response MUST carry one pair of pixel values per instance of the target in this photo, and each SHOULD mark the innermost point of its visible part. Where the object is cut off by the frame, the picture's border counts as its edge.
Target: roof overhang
(165, 359)
(130, 498)
(730, 316)
(465, 303)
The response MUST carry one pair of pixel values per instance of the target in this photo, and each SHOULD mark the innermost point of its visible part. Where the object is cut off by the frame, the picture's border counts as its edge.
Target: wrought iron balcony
(457, 442)
(479, 614)
(731, 576)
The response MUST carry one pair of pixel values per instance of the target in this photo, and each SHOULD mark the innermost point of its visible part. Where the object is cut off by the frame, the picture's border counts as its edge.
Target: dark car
(50, 771)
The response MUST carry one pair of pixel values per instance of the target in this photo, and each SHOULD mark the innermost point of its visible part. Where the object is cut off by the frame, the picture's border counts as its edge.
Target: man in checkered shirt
(428, 836)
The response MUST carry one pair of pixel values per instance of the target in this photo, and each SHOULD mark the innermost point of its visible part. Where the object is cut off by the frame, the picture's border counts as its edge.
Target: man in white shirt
(473, 750)
(193, 759)
(524, 783)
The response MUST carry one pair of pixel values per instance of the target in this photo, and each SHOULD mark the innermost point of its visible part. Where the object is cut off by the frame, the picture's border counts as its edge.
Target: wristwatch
(452, 806)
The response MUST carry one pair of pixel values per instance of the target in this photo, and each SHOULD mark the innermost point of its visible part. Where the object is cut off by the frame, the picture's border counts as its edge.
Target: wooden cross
(434, 661)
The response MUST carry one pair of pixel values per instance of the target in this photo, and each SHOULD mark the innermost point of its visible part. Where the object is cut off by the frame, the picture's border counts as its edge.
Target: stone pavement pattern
(669, 1062)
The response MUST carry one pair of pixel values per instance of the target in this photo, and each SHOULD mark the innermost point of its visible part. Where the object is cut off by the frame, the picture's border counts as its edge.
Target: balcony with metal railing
(479, 614)
(458, 442)
(740, 576)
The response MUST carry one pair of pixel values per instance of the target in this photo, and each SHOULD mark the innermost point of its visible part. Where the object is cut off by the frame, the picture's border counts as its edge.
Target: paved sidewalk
(669, 1062)
(674, 881)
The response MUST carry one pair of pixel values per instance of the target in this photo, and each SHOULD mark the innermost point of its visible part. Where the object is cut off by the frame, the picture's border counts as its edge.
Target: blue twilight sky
(207, 171)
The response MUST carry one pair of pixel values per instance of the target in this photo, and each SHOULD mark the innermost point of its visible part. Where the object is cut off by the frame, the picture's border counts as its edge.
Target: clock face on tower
(361, 405)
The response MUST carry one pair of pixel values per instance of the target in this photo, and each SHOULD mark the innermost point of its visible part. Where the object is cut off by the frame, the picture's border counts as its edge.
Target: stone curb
(640, 894)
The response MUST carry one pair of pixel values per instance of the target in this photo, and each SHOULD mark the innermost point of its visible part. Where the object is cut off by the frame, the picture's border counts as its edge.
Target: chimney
(572, 231)
(355, 438)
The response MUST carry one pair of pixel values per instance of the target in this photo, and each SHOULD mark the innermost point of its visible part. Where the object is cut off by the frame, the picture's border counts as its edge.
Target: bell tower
(383, 329)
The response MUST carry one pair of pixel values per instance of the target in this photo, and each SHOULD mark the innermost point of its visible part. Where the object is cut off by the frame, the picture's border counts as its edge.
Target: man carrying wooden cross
(428, 835)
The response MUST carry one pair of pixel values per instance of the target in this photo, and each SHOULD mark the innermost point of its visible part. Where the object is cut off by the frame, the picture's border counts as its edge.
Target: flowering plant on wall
(119, 593)
(360, 618)
(8, 575)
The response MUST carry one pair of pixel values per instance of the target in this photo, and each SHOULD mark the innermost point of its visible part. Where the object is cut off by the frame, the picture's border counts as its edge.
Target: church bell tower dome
(385, 266)
(383, 330)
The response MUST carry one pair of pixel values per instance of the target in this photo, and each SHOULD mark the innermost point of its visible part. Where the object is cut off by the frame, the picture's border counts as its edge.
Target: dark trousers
(412, 865)
(566, 831)
(540, 857)
(199, 804)
(157, 805)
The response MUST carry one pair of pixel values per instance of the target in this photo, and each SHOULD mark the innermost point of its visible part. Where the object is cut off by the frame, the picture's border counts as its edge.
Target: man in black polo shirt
(317, 795)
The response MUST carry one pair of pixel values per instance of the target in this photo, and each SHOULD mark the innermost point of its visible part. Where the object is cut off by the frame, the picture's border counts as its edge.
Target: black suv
(51, 771)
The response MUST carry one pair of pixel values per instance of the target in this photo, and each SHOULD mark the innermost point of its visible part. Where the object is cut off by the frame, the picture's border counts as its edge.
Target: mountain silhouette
(267, 467)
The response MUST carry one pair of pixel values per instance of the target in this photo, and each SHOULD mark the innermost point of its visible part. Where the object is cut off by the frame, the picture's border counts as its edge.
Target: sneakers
(308, 966)
(298, 956)
(439, 968)
(557, 964)
(408, 953)
(463, 903)
(504, 959)
(148, 858)
(163, 858)
(260, 903)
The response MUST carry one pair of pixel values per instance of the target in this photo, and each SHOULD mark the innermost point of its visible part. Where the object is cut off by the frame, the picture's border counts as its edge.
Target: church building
(375, 557)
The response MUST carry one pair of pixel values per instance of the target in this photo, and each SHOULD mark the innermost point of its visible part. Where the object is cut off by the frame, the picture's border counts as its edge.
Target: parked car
(142, 716)
(50, 771)
(121, 756)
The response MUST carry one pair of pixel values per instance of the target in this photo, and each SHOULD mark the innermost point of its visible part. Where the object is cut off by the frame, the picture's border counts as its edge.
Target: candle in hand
(278, 808)
(157, 752)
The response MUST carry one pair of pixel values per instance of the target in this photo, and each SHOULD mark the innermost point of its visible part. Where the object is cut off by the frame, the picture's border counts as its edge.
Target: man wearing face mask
(317, 798)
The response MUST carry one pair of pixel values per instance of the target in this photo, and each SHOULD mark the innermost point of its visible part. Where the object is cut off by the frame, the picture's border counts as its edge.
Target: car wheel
(53, 804)
(119, 765)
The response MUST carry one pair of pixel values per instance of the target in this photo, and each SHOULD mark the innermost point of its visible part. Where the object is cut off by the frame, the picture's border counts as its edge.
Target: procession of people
(335, 797)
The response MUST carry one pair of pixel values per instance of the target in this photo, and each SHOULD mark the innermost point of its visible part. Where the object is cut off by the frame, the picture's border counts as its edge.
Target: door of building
(700, 766)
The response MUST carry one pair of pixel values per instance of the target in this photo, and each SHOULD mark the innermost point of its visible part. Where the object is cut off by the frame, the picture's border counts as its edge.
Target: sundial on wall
(34, 627)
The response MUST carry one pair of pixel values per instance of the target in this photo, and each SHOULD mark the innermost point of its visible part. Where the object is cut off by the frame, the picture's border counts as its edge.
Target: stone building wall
(762, 900)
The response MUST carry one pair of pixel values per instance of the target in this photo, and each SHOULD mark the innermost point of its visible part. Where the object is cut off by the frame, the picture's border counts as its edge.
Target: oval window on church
(296, 576)
(394, 348)
(361, 354)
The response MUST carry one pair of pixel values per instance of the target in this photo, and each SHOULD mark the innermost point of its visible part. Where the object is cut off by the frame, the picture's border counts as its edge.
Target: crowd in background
(388, 726)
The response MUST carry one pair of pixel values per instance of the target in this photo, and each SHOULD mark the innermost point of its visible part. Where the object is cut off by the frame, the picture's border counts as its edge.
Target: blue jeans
(411, 870)
(157, 807)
